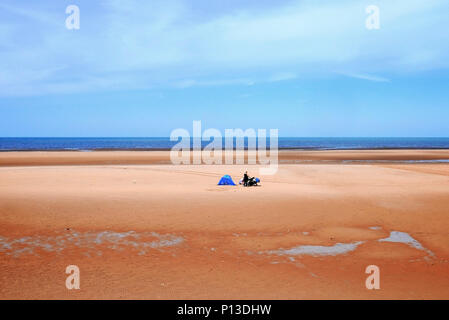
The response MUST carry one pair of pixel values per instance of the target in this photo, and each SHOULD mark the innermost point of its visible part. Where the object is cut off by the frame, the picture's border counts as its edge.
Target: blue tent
(226, 181)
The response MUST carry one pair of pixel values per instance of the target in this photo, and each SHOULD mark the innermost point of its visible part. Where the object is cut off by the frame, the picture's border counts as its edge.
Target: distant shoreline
(285, 156)
(165, 144)
(169, 149)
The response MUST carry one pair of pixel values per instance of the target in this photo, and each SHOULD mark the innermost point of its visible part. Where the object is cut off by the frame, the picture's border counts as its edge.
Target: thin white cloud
(33, 13)
(277, 77)
(218, 82)
(365, 76)
(130, 44)
(283, 76)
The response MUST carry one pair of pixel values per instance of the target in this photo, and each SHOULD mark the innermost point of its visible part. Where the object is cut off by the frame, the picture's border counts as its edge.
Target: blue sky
(144, 68)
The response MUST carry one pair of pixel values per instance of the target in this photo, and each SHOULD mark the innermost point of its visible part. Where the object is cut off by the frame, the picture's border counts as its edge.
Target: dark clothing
(245, 179)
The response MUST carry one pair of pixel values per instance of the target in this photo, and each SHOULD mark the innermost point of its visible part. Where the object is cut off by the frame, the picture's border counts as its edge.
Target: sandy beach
(141, 228)
(49, 158)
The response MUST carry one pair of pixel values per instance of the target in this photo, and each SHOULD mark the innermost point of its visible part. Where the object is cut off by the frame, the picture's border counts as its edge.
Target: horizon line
(168, 137)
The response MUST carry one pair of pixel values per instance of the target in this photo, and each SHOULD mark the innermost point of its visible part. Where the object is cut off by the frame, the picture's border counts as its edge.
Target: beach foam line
(90, 241)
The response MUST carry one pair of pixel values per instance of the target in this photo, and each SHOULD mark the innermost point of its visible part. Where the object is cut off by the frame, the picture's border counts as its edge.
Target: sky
(310, 68)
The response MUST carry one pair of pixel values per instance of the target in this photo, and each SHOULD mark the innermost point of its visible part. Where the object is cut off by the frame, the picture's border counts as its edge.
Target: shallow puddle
(339, 248)
(403, 237)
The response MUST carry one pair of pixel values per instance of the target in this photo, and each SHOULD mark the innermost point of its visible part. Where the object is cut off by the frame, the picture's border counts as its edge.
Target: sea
(164, 143)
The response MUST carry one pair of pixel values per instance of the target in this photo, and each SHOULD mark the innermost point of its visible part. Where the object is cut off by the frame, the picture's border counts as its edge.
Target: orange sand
(225, 234)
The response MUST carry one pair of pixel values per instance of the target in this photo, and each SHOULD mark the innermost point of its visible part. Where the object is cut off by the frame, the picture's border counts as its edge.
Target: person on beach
(245, 179)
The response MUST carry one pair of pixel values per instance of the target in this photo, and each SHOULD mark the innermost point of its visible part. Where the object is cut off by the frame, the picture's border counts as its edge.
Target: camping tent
(226, 180)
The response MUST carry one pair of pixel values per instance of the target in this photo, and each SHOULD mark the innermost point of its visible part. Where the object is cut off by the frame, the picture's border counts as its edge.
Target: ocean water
(155, 143)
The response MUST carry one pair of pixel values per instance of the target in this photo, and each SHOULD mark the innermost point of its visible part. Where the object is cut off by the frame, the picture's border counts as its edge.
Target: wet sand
(146, 231)
(41, 158)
